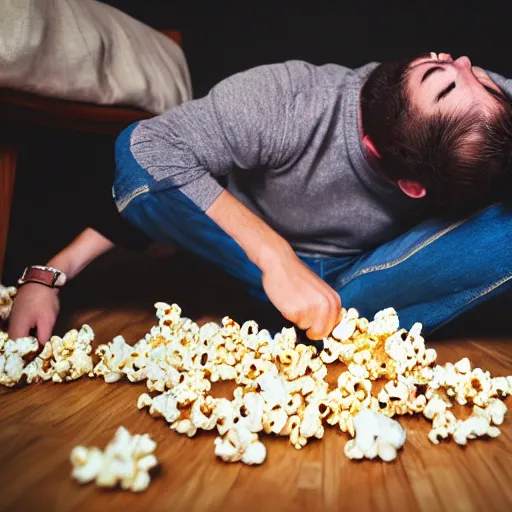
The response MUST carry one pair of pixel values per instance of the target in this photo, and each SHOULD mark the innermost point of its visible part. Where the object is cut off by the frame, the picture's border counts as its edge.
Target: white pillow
(83, 50)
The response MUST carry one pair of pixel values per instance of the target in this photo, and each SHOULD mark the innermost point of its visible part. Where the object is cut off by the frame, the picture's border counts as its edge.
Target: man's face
(439, 84)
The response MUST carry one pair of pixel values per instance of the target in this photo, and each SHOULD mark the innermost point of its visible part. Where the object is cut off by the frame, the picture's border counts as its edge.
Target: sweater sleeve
(241, 124)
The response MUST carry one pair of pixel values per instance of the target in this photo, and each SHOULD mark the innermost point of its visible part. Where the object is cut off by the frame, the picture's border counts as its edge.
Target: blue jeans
(431, 274)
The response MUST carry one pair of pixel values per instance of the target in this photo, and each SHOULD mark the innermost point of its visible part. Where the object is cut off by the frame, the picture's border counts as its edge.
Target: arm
(37, 306)
(248, 123)
(84, 249)
(297, 292)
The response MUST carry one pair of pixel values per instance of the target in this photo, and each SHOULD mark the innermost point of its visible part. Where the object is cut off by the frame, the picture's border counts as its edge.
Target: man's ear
(370, 147)
(412, 188)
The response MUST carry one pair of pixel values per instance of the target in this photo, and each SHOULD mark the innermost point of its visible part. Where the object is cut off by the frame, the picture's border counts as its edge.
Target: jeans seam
(486, 291)
(489, 289)
(412, 252)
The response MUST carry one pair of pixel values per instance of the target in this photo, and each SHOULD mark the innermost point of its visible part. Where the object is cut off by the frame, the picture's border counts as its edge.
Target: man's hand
(296, 291)
(301, 296)
(35, 306)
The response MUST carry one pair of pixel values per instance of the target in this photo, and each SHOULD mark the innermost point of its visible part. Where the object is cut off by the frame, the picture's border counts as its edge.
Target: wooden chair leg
(8, 160)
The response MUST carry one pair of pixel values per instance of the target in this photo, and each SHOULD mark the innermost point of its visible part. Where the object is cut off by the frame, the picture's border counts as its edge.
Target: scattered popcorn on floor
(126, 460)
(281, 386)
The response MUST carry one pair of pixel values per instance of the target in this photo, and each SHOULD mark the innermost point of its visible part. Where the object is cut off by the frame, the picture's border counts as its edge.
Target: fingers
(44, 330)
(18, 330)
(326, 318)
(304, 299)
(19, 326)
(302, 321)
(340, 315)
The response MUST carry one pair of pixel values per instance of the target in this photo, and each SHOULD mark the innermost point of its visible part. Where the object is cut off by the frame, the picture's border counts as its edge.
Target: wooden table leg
(8, 159)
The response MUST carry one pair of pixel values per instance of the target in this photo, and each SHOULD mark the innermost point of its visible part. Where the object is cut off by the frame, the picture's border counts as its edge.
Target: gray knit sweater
(285, 140)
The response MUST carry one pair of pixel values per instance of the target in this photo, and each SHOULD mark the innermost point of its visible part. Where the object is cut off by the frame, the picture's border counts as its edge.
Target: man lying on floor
(383, 186)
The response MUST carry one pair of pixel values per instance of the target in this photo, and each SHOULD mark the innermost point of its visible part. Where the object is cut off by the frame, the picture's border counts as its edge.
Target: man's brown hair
(463, 161)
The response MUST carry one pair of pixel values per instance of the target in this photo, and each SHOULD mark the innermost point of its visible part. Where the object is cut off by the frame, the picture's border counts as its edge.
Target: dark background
(59, 175)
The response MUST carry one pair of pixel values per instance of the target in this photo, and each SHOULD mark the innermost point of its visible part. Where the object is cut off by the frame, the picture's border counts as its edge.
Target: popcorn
(7, 295)
(224, 414)
(202, 413)
(223, 372)
(443, 426)
(230, 329)
(275, 420)
(273, 389)
(13, 356)
(36, 370)
(436, 405)
(501, 386)
(376, 435)
(266, 344)
(24, 347)
(160, 376)
(408, 352)
(311, 424)
(346, 422)
(385, 322)
(277, 400)
(331, 351)
(126, 460)
(494, 412)
(355, 392)
(168, 315)
(249, 334)
(66, 358)
(240, 444)
(465, 384)
(71, 354)
(303, 387)
(174, 406)
(282, 386)
(295, 363)
(292, 429)
(330, 407)
(250, 368)
(164, 405)
(475, 426)
(399, 397)
(345, 329)
(114, 357)
(248, 410)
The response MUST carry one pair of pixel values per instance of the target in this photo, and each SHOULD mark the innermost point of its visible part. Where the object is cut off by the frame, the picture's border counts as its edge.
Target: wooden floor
(40, 424)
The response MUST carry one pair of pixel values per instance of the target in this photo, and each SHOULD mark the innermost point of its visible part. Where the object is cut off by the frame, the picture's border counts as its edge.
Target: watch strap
(47, 276)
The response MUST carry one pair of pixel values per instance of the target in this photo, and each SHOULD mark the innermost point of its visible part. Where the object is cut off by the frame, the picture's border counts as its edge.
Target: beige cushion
(83, 50)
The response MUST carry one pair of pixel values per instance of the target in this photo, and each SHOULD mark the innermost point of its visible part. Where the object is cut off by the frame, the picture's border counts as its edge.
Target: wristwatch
(47, 276)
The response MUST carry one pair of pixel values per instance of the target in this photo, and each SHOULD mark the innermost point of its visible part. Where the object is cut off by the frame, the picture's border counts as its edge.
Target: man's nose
(463, 63)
